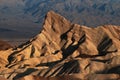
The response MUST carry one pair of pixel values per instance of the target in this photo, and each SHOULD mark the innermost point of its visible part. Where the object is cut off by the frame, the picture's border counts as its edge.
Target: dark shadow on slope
(11, 57)
(70, 67)
(32, 52)
(104, 45)
(61, 69)
(27, 72)
(87, 56)
(115, 70)
(64, 35)
(50, 64)
(102, 48)
(103, 61)
(71, 48)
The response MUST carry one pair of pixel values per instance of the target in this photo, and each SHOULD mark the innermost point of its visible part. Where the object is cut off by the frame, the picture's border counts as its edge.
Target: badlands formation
(65, 51)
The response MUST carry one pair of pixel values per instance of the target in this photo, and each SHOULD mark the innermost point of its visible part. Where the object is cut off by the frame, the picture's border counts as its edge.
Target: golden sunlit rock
(65, 51)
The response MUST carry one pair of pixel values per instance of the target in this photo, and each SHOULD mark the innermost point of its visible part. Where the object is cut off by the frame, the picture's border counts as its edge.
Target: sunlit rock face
(24, 18)
(63, 50)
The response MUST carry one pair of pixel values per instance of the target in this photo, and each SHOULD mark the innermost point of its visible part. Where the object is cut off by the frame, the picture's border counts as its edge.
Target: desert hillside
(24, 18)
(67, 51)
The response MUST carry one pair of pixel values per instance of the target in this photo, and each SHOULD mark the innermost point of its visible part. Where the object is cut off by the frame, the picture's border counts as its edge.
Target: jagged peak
(54, 16)
(56, 22)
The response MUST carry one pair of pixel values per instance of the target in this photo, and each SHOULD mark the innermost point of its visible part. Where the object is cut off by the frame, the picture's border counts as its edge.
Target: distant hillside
(4, 45)
(85, 12)
(26, 16)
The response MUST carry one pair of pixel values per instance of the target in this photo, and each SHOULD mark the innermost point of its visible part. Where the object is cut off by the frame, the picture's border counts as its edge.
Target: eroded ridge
(65, 50)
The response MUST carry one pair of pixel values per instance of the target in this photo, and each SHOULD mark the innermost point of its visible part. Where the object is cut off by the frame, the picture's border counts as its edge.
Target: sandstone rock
(67, 51)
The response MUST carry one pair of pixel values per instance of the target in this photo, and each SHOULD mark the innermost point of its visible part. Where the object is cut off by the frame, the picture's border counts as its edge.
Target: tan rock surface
(75, 77)
(63, 50)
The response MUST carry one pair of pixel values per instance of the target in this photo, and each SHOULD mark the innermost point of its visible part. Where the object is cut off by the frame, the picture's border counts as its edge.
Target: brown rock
(63, 51)
(2, 78)
(4, 45)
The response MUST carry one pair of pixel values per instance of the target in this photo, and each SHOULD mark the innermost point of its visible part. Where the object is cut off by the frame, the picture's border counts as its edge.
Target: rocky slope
(63, 50)
(26, 16)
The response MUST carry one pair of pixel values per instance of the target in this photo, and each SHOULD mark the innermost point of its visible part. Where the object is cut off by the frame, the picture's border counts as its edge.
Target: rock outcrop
(5, 50)
(63, 50)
